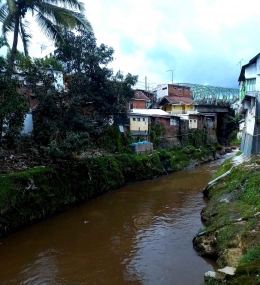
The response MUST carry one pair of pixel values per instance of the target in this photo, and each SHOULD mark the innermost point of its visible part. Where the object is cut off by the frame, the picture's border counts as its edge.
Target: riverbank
(232, 221)
(40, 192)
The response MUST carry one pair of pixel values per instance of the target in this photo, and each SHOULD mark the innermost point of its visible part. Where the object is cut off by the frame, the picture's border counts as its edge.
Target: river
(139, 234)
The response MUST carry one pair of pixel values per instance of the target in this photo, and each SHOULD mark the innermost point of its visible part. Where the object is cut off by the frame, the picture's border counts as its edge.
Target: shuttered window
(250, 84)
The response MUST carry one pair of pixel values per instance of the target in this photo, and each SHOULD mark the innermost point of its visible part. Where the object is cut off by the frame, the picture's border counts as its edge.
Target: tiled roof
(177, 100)
(140, 95)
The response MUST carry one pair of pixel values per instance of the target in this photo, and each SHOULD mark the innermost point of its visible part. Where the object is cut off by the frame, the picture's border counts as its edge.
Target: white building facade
(249, 82)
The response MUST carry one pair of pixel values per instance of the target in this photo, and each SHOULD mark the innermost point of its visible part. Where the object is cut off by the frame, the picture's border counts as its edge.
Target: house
(26, 91)
(175, 99)
(197, 121)
(174, 104)
(173, 90)
(141, 121)
(139, 101)
(249, 82)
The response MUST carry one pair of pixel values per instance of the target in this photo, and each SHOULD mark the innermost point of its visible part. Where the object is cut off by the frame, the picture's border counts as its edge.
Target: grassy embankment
(232, 219)
(38, 193)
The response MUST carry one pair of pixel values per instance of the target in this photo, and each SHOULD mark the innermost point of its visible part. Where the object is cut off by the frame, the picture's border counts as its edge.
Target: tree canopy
(49, 62)
(75, 119)
(51, 16)
(13, 107)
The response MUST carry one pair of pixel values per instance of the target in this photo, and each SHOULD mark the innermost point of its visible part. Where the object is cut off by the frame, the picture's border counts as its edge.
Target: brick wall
(139, 104)
(136, 104)
(170, 130)
(179, 91)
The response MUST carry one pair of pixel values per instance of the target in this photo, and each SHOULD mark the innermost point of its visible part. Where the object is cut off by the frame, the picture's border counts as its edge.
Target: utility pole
(145, 83)
(172, 75)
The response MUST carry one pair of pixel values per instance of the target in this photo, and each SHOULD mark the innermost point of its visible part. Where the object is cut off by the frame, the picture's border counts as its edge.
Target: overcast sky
(201, 41)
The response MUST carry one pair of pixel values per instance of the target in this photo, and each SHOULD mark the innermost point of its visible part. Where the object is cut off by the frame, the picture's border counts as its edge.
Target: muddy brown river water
(139, 234)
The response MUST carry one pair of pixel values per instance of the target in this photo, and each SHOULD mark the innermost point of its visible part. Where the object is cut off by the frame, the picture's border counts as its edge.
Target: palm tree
(52, 16)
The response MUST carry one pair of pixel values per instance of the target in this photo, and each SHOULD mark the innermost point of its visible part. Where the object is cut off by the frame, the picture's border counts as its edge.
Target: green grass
(231, 198)
(226, 165)
(252, 255)
(58, 190)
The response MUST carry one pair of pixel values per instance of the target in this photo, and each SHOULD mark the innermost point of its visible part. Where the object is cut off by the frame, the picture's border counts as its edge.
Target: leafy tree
(155, 134)
(3, 42)
(13, 107)
(49, 62)
(51, 16)
(235, 120)
(75, 119)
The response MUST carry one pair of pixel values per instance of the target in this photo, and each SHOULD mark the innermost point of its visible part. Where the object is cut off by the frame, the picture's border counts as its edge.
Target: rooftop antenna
(240, 62)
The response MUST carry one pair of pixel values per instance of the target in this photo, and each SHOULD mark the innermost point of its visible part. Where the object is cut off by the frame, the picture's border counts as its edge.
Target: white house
(249, 82)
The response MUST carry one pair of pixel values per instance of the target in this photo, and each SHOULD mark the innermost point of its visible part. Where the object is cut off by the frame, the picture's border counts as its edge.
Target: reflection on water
(44, 268)
(140, 234)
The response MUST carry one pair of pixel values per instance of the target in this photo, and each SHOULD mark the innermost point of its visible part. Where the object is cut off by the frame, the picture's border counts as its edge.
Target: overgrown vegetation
(13, 108)
(195, 137)
(155, 134)
(226, 165)
(232, 138)
(77, 119)
(72, 120)
(31, 195)
(232, 221)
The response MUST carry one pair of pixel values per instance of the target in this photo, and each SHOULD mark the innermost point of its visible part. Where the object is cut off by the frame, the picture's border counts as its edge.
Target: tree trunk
(15, 41)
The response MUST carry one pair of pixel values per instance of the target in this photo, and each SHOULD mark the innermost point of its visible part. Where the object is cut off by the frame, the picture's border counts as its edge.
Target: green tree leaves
(75, 119)
(51, 16)
(13, 107)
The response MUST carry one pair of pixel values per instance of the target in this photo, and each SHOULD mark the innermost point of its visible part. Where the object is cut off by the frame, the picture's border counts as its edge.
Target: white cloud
(220, 14)
(175, 40)
(200, 40)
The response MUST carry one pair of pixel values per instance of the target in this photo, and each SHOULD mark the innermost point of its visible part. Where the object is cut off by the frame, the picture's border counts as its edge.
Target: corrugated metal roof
(149, 112)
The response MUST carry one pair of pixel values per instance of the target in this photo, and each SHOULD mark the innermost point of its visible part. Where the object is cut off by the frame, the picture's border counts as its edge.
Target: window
(143, 119)
(250, 84)
(138, 119)
(164, 88)
(173, 122)
(134, 119)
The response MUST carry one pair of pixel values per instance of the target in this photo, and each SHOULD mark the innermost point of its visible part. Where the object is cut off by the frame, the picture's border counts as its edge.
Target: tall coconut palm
(51, 16)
